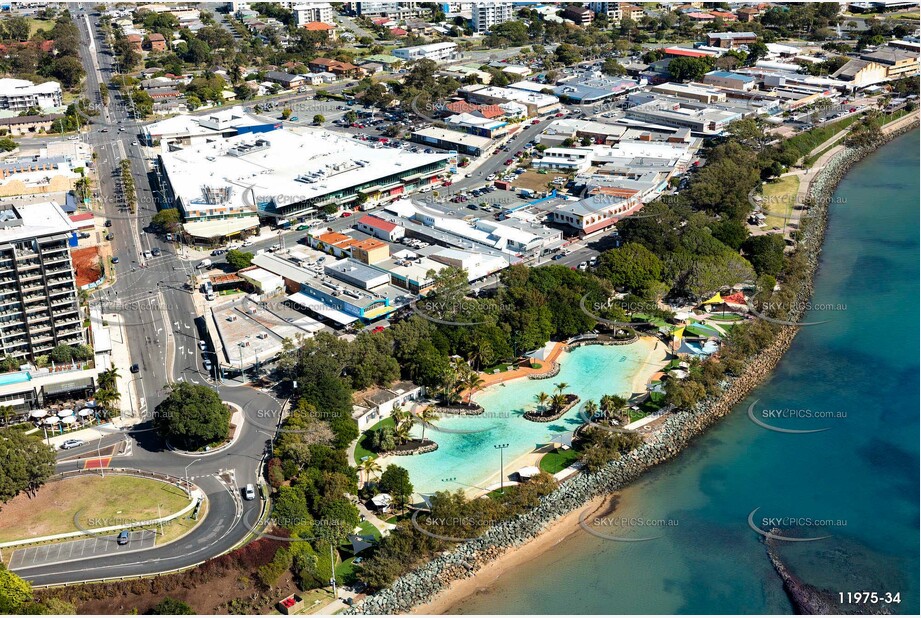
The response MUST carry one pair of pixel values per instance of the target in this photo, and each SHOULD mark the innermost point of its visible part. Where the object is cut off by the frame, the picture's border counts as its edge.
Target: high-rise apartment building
(39, 303)
(489, 14)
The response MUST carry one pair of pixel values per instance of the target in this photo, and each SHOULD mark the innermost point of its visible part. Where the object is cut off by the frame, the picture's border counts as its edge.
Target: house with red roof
(319, 26)
(398, 32)
(380, 228)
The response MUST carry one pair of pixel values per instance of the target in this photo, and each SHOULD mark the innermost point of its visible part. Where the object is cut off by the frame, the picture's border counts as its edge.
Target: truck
(526, 193)
(206, 263)
(502, 184)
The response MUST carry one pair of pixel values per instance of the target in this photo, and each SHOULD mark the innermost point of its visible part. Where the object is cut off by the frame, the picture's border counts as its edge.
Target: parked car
(249, 492)
(122, 538)
(155, 252)
(135, 368)
(108, 223)
(72, 443)
(115, 259)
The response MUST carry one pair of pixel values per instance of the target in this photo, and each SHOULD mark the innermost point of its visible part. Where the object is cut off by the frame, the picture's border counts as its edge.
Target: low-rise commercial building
(188, 130)
(284, 175)
(730, 39)
(380, 228)
(728, 79)
(579, 15)
(465, 143)
(658, 110)
(537, 104)
(28, 125)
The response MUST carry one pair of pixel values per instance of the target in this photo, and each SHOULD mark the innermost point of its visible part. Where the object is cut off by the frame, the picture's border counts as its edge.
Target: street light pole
(501, 448)
(188, 486)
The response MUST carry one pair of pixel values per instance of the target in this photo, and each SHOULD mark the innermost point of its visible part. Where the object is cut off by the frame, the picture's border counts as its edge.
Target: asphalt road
(158, 315)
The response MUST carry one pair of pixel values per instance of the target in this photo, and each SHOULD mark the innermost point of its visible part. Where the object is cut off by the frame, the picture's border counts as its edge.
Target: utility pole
(332, 570)
(501, 448)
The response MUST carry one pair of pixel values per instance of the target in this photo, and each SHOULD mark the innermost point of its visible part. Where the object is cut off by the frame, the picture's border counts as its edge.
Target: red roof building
(684, 52)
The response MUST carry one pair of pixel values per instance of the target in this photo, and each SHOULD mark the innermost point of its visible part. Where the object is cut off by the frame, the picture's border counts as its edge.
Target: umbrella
(38, 413)
(66, 412)
(69, 420)
(52, 420)
(85, 412)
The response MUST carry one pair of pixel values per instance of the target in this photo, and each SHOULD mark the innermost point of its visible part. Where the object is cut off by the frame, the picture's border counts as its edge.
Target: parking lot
(82, 549)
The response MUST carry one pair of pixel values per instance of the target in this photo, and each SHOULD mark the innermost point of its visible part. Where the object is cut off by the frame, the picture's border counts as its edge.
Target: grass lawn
(779, 197)
(96, 502)
(314, 600)
(39, 24)
(181, 526)
(500, 367)
(558, 460)
(361, 449)
(367, 528)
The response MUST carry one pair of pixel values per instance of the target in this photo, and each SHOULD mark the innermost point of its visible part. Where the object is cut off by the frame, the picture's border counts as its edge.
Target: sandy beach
(561, 530)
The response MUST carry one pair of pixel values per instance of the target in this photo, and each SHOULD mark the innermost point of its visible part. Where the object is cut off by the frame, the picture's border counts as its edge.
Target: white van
(206, 263)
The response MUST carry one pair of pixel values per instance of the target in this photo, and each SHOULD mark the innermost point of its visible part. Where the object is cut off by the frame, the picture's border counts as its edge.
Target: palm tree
(612, 406)
(108, 377)
(558, 401)
(590, 408)
(426, 416)
(561, 386)
(399, 415)
(370, 466)
(401, 433)
(106, 398)
(6, 412)
(542, 399)
(472, 382)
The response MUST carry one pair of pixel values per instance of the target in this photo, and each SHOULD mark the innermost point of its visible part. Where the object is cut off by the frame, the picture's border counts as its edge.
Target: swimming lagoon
(467, 458)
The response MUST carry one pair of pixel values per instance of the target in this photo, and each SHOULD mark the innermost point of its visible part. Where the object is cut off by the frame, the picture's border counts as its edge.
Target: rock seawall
(421, 585)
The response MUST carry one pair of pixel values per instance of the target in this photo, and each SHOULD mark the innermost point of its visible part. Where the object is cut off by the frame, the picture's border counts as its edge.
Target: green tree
(612, 67)
(395, 481)
(239, 259)
(765, 253)
(319, 119)
(25, 463)
(632, 266)
(192, 416)
(6, 144)
(15, 592)
(171, 606)
(166, 221)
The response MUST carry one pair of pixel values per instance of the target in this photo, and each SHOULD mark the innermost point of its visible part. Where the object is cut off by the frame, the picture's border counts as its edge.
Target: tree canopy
(192, 417)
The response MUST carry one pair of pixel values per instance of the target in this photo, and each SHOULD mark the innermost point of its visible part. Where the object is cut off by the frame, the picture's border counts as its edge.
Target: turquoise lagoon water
(862, 471)
(471, 458)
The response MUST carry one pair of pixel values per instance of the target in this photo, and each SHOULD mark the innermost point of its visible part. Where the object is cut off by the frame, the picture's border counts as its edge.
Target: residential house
(579, 15)
(157, 42)
(286, 80)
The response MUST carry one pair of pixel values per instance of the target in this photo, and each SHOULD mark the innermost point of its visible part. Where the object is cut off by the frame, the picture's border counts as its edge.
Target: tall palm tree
(108, 377)
(472, 382)
(590, 408)
(557, 402)
(612, 406)
(426, 416)
(399, 415)
(370, 467)
(6, 412)
(561, 386)
(106, 398)
(401, 433)
(542, 398)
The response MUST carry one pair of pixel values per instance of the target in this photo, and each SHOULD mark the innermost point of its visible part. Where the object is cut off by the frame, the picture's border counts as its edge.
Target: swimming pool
(471, 458)
(14, 378)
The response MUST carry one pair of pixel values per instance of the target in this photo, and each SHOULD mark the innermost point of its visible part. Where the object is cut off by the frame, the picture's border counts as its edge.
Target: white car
(202, 345)
(248, 243)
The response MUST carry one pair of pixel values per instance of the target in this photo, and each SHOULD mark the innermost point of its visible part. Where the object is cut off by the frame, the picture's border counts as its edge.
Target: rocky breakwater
(423, 584)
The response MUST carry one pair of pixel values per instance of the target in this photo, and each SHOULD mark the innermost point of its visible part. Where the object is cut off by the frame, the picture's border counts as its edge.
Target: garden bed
(533, 415)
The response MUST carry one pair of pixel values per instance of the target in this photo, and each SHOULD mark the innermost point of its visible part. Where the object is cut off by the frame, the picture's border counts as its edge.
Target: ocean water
(856, 482)
(470, 457)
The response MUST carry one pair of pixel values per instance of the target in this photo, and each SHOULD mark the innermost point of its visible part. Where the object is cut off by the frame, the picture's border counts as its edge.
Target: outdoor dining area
(60, 420)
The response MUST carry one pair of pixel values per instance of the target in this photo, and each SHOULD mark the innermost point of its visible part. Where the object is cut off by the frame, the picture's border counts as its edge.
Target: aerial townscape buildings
(310, 273)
